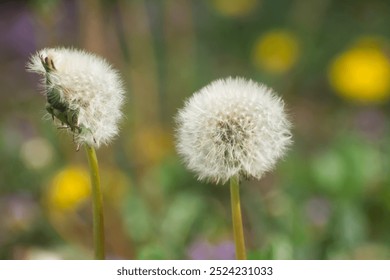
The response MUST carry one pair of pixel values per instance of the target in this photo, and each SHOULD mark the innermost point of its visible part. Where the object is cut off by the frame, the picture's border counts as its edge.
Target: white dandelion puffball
(84, 93)
(232, 127)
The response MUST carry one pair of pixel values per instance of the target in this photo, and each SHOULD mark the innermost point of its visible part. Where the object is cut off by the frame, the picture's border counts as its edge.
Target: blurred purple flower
(204, 250)
(318, 211)
(16, 27)
(17, 212)
(371, 123)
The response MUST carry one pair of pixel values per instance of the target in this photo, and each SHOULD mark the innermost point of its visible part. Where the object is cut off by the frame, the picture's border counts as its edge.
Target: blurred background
(328, 199)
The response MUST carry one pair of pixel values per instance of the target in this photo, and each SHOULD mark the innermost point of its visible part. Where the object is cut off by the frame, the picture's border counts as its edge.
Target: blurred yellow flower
(276, 51)
(361, 73)
(69, 188)
(115, 185)
(234, 8)
(68, 205)
(152, 144)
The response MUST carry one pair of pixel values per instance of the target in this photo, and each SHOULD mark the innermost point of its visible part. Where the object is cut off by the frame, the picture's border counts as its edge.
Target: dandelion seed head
(232, 127)
(88, 85)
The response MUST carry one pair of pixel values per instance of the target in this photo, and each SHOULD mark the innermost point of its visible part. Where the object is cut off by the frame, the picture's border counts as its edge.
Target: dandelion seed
(232, 127)
(83, 92)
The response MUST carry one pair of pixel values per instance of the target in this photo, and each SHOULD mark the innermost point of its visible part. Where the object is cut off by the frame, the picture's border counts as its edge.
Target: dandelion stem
(97, 202)
(236, 217)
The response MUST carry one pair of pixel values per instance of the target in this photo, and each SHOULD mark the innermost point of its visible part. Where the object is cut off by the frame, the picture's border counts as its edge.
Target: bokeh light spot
(36, 153)
(276, 51)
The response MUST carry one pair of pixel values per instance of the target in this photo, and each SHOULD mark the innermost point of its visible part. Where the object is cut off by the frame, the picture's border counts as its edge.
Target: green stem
(236, 217)
(97, 203)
